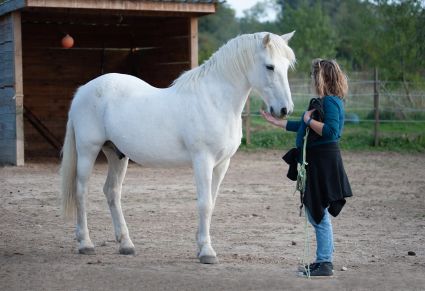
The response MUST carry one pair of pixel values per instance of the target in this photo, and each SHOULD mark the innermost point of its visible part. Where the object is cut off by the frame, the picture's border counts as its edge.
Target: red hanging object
(67, 41)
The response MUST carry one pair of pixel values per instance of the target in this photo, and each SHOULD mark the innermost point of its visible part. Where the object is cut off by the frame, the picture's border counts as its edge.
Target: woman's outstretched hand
(273, 120)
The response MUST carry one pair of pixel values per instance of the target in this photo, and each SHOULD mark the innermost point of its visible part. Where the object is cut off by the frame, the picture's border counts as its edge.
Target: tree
(216, 29)
(399, 40)
(420, 40)
(360, 34)
(253, 20)
(314, 36)
(357, 26)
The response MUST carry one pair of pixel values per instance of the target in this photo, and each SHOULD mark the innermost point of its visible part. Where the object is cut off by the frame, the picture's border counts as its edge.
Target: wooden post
(248, 121)
(11, 91)
(376, 106)
(193, 42)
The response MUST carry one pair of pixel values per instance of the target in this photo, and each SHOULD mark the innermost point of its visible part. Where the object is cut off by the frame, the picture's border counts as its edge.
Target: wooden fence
(369, 100)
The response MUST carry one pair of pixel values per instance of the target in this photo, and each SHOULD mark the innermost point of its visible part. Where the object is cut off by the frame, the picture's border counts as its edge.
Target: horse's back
(115, 85)
(92, 100)
(95, 95)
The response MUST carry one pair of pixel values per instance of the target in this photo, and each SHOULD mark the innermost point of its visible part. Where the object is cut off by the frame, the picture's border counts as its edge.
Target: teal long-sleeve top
(333, 108)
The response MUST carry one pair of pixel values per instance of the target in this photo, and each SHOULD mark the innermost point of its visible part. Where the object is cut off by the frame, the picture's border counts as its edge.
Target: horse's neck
(227, 94)
(220, 83)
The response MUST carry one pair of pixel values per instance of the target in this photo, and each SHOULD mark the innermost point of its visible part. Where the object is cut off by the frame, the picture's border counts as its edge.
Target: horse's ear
(288, 36)
(266, 40)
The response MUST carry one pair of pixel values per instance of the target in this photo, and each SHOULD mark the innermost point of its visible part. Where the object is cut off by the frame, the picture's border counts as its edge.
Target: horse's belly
(168, 140)
(148, 151)
(164, 159)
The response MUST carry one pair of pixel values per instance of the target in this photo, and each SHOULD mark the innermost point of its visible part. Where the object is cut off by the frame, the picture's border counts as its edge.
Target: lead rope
(306, 254)
(302, 172)
(301, 183)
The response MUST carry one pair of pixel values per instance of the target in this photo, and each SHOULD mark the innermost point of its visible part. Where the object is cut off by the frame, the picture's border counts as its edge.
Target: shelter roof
(196, 7)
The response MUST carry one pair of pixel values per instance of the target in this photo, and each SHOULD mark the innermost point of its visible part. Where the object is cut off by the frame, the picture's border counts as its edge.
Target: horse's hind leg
(85, 162)
(116, 171)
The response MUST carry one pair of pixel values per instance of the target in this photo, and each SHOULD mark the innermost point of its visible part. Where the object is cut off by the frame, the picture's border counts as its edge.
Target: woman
(327, 184)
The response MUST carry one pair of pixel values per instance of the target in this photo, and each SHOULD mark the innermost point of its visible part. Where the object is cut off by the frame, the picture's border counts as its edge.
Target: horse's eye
(270, 67)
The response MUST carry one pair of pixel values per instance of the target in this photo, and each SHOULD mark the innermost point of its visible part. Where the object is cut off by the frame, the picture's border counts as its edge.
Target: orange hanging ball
(67, 41)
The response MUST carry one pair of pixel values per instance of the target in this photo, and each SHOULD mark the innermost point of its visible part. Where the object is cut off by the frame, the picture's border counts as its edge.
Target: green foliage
(356, 28)
(252, 20)
(360, 34)
(314, 34)
(400, 53)
(215, 30)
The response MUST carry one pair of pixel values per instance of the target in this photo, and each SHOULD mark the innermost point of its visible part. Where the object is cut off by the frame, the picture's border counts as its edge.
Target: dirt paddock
(256, 229)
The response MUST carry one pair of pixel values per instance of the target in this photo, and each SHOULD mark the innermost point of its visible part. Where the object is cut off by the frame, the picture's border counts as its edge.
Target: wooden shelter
(153, 40)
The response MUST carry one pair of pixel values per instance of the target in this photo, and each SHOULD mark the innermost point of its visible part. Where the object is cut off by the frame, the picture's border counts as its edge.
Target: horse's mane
(233, 58)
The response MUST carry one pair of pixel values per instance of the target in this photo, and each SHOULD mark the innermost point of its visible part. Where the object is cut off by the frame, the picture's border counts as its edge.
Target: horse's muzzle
(283, 112)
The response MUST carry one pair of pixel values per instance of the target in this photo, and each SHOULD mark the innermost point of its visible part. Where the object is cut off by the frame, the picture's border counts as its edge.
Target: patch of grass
(393, 136)
(271, 139)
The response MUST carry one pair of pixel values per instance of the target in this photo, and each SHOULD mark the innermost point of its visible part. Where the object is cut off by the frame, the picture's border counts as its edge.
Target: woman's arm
(315, 125)
(329, 128)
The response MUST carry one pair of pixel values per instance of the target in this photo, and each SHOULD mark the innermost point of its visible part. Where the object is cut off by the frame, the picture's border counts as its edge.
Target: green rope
(301, 183)
(302, 172)
(306, 255)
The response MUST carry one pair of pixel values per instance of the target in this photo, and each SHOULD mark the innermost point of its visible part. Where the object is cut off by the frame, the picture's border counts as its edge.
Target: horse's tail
(68, 173)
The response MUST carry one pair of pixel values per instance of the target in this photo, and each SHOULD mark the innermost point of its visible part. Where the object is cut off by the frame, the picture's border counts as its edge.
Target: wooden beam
(11, 91)
(9, 6)
(201, 8)
(193, 42)
(43, 130)
(19, 92)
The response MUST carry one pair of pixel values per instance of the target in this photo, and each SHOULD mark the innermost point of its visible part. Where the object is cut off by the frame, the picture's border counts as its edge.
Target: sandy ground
(256, 230)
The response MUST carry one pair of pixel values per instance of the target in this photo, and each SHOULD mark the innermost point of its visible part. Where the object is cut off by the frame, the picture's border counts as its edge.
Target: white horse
(195, 122)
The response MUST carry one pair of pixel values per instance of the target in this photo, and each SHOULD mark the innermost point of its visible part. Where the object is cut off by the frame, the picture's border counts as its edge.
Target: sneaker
(324, 269)
(312, 266)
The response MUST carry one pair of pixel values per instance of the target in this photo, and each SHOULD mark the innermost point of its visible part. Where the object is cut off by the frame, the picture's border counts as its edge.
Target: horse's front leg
(217, 177)
(203, 168)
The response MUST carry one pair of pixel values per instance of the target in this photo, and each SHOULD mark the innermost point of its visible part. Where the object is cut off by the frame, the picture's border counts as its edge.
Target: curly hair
(328, 78)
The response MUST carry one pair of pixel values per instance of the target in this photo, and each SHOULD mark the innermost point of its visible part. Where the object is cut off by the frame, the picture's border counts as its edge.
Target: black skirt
(327, 183)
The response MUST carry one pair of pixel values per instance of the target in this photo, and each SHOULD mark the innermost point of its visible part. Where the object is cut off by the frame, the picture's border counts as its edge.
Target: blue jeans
(324, 237)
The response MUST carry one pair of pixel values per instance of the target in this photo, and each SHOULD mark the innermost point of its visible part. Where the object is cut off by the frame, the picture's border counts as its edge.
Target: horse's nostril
(271, 110)
(283, 111)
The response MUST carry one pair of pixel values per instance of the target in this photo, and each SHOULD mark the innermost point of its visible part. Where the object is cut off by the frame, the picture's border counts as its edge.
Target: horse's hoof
(87, 251)
(208, 260)
(127, 251)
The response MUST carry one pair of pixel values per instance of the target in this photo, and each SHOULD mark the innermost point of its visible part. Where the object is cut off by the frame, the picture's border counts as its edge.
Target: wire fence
(370, 101)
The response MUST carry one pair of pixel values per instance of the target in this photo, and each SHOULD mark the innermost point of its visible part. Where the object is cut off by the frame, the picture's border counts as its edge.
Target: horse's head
(269, 73)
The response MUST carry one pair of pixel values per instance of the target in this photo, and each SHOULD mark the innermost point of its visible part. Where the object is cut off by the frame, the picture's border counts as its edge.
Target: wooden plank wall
(155, 49)
(11, 95)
